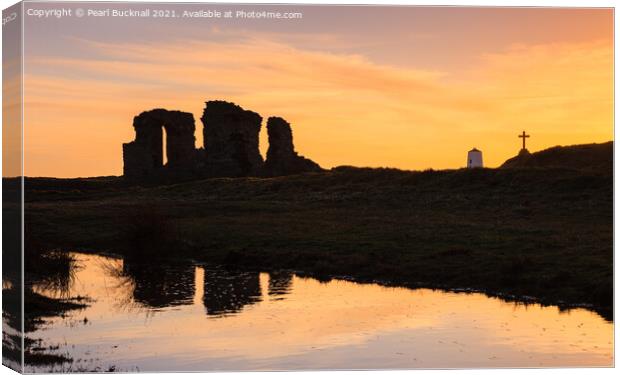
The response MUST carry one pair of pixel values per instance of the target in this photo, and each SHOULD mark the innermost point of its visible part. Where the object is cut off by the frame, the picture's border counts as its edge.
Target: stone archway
(144, 156)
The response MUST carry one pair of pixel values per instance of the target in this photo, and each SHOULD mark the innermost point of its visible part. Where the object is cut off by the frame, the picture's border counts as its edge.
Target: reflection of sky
(318, 325)
(377, 86)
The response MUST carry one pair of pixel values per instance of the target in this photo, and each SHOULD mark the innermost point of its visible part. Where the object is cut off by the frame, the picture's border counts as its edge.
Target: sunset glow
(409, 88)
(315, 319)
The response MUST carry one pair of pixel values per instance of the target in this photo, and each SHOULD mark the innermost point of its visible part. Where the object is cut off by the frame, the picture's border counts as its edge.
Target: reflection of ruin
(230, 145)
(229, 291)
(280, 283)
(157, 287)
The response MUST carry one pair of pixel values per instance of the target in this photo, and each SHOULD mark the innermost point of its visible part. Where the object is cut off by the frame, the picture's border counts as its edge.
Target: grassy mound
(589, 157)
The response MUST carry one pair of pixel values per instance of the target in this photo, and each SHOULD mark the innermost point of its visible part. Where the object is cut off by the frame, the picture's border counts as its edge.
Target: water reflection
(12, 297)
(280, 283)
(156, 286)
(279, 321)
(159, 286)
(11, 325)
(49, 276)
(228, 291)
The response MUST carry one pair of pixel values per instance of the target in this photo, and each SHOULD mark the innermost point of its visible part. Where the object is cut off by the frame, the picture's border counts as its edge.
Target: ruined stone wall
(231, 140)
(138, 161)
(180, 139)
(144, 156)
(281, 156)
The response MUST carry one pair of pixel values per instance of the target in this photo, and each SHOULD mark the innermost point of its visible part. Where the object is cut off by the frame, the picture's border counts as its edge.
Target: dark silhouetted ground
(543, 232)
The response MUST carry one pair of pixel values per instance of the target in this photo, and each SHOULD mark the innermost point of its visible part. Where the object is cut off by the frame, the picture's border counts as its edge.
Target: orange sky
(410, 88)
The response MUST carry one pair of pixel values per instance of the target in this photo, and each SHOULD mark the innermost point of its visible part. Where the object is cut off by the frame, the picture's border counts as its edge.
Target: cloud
(345, 108)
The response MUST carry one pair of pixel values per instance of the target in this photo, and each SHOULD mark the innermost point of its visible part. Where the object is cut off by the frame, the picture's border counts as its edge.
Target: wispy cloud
(345, 108)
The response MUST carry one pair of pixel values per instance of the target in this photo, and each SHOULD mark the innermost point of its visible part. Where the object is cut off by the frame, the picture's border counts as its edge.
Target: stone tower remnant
(231, 139)
(281, 156)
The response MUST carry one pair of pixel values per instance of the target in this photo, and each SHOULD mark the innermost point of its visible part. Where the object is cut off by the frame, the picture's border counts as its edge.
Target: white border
(484, 3)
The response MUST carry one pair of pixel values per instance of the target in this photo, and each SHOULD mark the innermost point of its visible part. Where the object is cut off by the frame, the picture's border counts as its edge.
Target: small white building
(474, 158)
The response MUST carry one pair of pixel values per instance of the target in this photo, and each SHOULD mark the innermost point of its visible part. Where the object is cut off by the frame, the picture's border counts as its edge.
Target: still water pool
(188, 317)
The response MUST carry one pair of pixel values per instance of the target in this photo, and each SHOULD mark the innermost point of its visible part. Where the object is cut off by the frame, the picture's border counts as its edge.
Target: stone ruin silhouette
(230, 145)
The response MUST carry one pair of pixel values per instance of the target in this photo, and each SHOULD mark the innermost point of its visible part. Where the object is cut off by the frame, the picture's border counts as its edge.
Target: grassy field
(541, 232)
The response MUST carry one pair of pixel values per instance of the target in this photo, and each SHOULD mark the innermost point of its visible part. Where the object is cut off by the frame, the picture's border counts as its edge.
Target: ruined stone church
(230, 145)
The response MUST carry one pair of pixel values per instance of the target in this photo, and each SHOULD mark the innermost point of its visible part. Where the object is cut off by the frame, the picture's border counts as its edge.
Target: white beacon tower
(474, 158)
